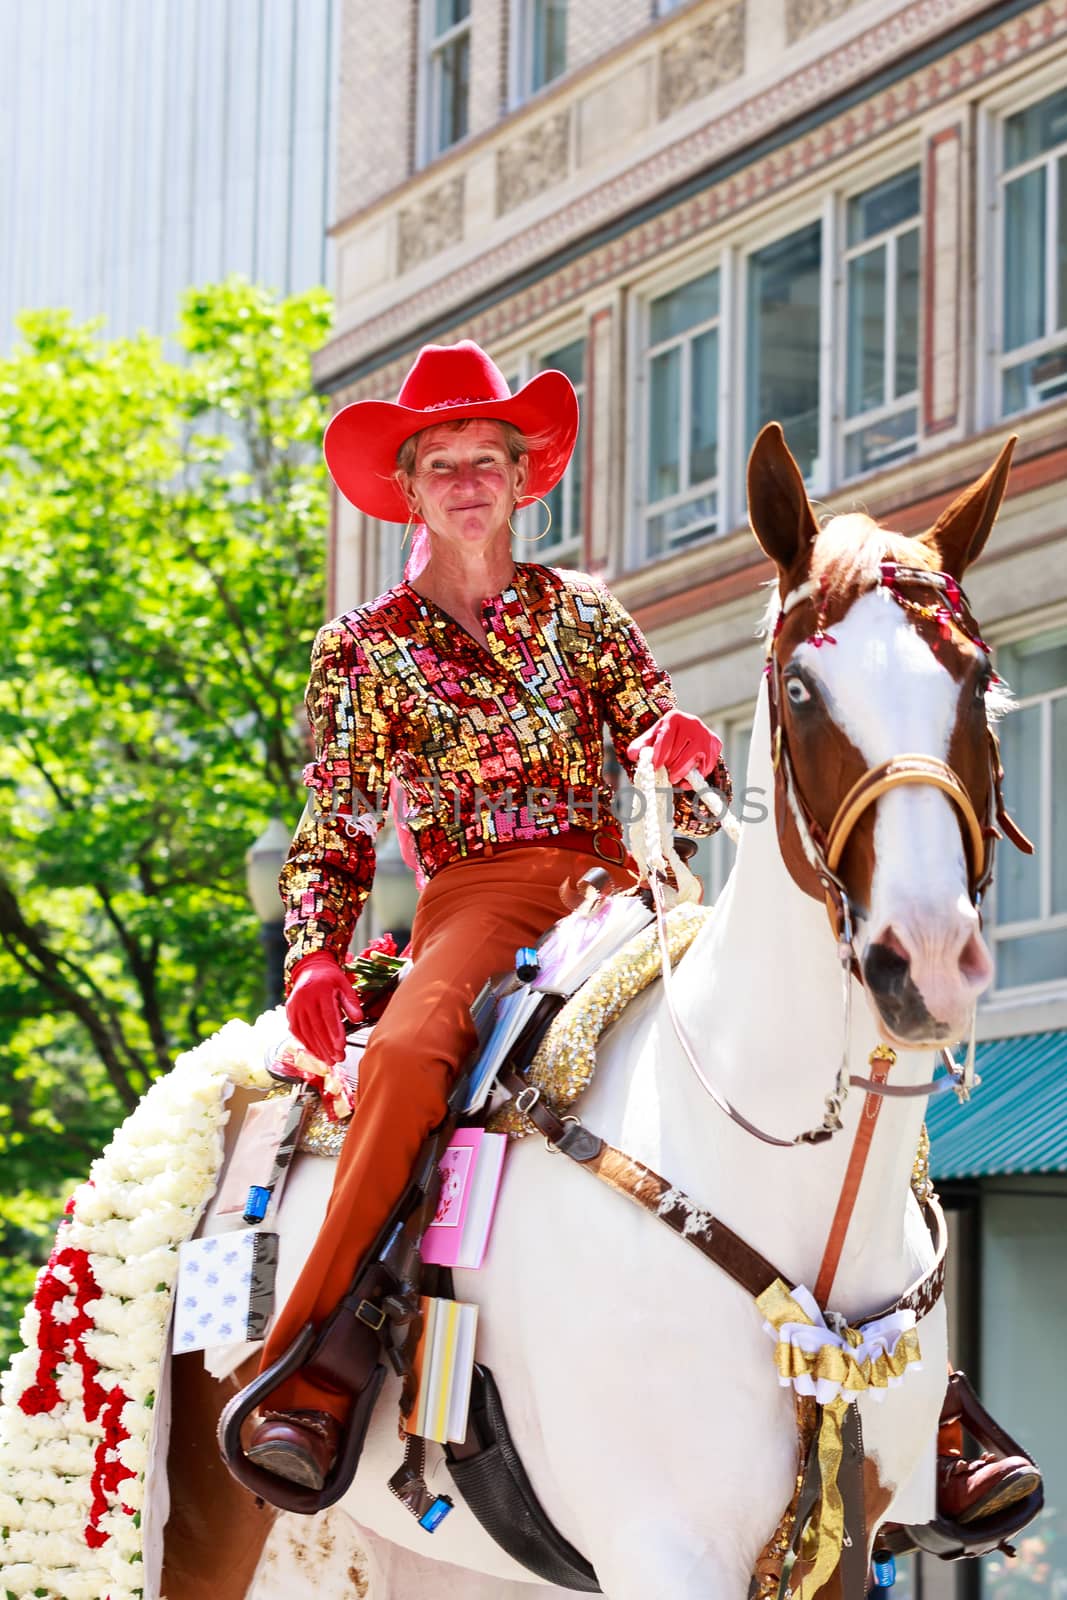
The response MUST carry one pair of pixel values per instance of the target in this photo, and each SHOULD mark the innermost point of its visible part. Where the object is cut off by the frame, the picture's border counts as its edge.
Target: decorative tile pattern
(899, 104)
(539, 158)
(429, 226)
(699, 61)
(490, 746)
(804, 16)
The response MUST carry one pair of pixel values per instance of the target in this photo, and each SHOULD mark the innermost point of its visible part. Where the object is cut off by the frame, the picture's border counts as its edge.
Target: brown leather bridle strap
(895, 774)
(882, 1059)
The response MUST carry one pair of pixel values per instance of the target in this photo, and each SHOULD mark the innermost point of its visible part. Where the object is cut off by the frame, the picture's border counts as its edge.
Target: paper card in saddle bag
(444, 1366)
(225, 1291)
(470, 1181)
(262, 1153)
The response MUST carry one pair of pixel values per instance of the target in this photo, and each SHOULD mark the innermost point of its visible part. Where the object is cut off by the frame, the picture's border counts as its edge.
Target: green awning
(1015, 1122)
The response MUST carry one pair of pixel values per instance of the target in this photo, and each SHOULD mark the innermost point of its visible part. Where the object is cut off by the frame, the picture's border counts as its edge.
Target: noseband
(824, 849)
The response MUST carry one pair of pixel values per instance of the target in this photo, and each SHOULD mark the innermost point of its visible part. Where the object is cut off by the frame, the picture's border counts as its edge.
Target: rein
(648, 849)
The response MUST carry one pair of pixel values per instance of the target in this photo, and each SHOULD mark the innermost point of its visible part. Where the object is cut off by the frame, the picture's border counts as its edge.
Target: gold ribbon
(836, 1363)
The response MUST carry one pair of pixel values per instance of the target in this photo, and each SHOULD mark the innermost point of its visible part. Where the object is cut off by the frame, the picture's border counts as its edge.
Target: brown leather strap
(850, 1188)
(663, 1200)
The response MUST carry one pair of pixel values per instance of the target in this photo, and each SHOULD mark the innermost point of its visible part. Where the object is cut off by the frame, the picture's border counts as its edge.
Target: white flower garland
(76, 1433)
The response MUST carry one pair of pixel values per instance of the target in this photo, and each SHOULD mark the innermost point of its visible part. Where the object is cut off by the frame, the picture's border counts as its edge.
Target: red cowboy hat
(447, 383)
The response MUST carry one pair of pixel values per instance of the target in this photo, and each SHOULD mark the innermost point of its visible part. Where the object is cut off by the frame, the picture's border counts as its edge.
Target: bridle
(823, 849)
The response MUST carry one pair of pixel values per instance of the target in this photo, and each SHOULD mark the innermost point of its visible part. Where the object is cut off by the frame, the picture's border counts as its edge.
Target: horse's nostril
(976, 965)
(886, 966)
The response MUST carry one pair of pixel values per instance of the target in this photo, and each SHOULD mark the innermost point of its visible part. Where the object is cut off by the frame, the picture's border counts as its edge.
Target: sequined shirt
(493, 744)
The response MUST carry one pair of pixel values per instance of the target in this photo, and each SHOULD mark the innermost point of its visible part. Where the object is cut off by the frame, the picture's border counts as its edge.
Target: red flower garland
(65, 1341)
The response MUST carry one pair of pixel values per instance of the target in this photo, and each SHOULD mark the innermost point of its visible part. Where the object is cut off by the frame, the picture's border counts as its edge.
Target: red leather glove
(679, 742)
(321, 991)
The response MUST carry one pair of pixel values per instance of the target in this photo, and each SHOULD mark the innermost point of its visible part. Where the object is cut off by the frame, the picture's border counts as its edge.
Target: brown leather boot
(970, 1490)
(297, 1445)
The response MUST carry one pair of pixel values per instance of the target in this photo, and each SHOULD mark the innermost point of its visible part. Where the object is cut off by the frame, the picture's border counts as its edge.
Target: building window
(1033, 255)
(714, 858)
(681, 400)
(539, 45)
(782, 369)
(1030, 931)
(565, 501)
(882, 324)
(445, 78)
(563, 544)
(390, 551)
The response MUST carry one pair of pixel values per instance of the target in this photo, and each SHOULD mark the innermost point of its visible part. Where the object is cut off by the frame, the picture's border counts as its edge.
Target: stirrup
(952, 1541)
(278, 1491)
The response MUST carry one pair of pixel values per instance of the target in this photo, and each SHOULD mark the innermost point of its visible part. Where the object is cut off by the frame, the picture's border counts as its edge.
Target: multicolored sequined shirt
(488, 745)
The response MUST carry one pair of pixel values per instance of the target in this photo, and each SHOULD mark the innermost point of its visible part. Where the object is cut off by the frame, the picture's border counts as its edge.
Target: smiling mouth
(477, 505)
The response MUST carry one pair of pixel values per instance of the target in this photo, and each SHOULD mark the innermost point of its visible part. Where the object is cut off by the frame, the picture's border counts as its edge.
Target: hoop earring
(532, 538)
(407, 531)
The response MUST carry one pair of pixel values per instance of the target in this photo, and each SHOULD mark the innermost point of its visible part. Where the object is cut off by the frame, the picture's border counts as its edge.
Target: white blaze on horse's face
(884, 689)
(918, 939)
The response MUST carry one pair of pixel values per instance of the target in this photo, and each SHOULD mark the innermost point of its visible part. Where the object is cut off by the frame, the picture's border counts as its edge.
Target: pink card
(442, 1239)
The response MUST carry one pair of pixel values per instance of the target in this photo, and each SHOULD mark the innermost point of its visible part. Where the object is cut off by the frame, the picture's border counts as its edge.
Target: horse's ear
(779, 510)
(960, 532)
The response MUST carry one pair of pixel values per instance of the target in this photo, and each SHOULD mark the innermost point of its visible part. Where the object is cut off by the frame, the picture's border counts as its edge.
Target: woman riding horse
(482, 685)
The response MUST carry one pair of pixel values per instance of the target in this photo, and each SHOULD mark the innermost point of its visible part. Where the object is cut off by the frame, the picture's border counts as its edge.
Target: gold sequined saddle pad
(564, 1063)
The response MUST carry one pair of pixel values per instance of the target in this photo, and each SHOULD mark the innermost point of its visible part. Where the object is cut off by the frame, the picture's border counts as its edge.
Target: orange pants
(471, 918)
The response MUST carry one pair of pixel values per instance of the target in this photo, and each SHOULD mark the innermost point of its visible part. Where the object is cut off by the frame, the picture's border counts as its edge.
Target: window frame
(732, 727)
(521, 89)
(1049, 623)
(844, 425)
(675, 276)
(827, 213)
(731, 255)
(430, 46)
(525, 362)
(993, 113)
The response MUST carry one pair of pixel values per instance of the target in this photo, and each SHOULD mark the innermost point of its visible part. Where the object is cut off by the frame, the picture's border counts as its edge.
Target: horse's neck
(760, 994)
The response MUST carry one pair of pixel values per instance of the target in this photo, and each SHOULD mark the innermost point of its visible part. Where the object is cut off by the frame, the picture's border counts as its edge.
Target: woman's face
(465, 484)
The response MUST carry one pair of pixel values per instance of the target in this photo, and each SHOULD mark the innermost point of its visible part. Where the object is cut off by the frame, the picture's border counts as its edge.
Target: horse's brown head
(886, 772)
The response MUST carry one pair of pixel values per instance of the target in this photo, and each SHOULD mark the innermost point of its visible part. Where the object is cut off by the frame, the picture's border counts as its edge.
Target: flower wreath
(77, 1403)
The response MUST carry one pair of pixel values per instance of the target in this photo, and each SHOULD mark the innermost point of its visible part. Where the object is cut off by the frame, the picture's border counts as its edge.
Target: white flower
(144, 1197)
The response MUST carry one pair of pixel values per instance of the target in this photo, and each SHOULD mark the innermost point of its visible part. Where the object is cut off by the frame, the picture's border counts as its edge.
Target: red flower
(67, 1276)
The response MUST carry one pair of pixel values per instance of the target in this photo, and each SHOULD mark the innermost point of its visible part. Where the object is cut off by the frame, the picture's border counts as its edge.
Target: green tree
(160, 582)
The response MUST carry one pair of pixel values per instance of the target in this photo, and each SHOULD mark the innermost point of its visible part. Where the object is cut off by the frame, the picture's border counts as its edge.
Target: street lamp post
(263, 862)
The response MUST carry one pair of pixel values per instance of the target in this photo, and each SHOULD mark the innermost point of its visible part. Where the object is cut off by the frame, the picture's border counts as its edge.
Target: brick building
(850, 217)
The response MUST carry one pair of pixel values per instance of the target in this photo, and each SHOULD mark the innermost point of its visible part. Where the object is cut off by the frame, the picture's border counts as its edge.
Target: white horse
(638, 1382)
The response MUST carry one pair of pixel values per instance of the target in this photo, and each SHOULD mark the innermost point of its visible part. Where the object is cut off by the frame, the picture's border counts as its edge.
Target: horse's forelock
(850, 549)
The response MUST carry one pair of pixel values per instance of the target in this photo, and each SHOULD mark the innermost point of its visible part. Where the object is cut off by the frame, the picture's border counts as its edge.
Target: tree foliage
(160, 582)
